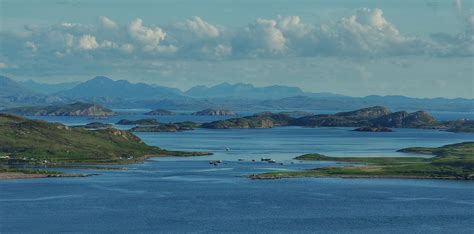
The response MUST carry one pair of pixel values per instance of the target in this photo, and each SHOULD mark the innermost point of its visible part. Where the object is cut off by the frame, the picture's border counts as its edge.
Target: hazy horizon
(421, 49)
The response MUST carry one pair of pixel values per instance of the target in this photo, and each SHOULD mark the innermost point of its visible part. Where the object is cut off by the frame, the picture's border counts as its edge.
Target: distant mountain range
(102, 86)
(14, 94)
(123, 94)
(8, 87)
(48, 88)
(226, 90)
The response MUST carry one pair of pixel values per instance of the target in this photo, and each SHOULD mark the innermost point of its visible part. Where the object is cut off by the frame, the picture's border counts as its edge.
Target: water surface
(190, 195)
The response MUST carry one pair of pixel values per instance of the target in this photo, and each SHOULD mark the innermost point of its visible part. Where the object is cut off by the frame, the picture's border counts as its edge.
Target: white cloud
(150, 37)
(292, 25)
(222, 50)
(107, 23)
(88, 42)
(200, 27)
(265, 36)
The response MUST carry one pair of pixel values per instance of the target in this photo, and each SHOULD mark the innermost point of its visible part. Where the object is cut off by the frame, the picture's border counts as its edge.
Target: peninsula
(33, 142)
(455, 161)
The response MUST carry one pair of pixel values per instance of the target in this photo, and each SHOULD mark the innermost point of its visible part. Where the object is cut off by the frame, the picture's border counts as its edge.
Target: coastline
(22, 175)
(11, 174)
(276, 177)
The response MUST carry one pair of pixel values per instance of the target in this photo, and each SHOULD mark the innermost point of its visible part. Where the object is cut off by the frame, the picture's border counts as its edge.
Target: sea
(182, 195)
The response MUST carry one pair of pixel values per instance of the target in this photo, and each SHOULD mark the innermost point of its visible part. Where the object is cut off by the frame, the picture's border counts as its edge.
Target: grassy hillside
(454, 161)
(34, 141)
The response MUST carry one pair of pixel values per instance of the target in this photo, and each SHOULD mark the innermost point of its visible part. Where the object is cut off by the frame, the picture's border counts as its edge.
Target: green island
(455, 161)
(33, 142)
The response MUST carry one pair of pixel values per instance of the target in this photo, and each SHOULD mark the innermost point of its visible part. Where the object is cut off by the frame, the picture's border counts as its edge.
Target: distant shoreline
(258, 177)
(22, 175)
(451, 162)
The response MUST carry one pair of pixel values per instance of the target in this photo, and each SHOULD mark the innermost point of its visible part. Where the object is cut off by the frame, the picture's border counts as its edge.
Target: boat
(271, 161)
(215, 162)
(265, 159)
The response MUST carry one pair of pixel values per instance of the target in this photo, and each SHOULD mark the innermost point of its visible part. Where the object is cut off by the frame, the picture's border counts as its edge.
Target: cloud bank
(365, 33)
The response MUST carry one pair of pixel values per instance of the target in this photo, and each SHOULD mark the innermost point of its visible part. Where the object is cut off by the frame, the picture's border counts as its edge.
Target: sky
(417, 48)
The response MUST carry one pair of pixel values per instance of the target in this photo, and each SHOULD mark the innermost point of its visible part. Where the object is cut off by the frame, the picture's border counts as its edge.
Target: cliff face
(215, 112)
(418, 119)
(75, 109)
(393, 120)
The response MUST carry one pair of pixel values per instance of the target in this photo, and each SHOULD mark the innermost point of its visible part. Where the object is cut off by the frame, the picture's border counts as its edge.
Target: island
(260, 120)
(34, 142)
(371, 119)
(215, 112)
(74, 109)
(167, 127)
(454, 161)
(94, 125)
(373, 129)
(138, 122)
(460, 126)
(160, 112)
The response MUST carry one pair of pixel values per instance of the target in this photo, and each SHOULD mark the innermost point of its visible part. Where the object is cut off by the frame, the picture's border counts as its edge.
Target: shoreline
(35, 173)
(22, 175)
(260, 177)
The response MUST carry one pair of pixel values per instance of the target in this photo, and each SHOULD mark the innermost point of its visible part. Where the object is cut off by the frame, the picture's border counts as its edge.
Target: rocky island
(74, 109)
(455, 161)
(260, 120)
(215, 112)
(160, 112)
(27, 141)
(371, 119)
(373, 129)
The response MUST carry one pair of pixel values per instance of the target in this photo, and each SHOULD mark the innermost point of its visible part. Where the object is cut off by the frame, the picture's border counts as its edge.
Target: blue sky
(358, 47)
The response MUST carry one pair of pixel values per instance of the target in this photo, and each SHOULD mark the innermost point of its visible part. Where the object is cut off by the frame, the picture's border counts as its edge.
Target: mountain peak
(100, 79)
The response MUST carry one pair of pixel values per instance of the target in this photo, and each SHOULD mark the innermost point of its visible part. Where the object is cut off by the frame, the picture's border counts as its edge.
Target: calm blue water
(189, 195)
